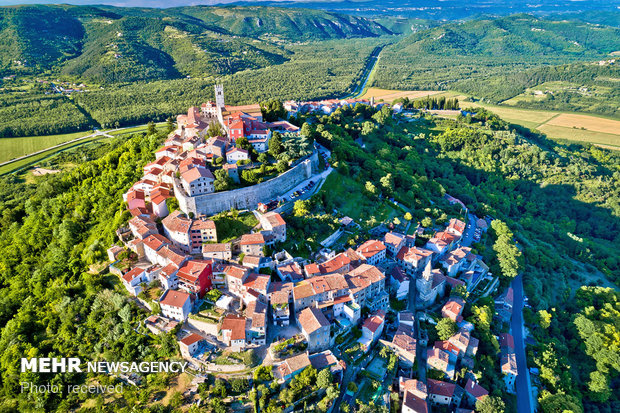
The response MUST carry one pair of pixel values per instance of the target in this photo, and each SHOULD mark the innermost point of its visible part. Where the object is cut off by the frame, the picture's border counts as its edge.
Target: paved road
(523, 385)
(468, 235)
(374, 58)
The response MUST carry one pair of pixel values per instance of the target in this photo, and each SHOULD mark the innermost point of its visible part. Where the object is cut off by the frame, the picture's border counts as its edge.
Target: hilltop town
(381, 321)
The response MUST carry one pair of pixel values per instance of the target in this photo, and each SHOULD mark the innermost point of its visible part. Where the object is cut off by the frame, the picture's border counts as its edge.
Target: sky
(125, 3)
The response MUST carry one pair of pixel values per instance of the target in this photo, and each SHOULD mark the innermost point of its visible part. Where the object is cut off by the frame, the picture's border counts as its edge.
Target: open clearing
(591, 123)
(14, 147)
(390, 95)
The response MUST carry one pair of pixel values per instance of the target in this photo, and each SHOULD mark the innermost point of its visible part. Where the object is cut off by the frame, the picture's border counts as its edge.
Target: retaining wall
(247, 198)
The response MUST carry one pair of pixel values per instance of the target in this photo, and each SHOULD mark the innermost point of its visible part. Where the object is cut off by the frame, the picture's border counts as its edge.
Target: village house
(399, 281)
(279, 296)
(176, 227)
(234, 155)
(475, 392)
(232, 332)
(372, 328)
(194, 276)
(453, 308)
(393, 241)
(175, 305)
(190, 344)
(315, 328)
(404, 345)
(290, 272)
(142, 226)
(252, 244)
(508, 361)
(197, 181)
(152, 244)
(338, 264)
(455, 261)
(319, 289)
(257, 282)
(414, 259)
(373, 251)
(201, 231)
(465, 343)
(442, 360)
(221, 252)
(273, 226)
(235, 277)
(413, 404)
(256, 323)
(367, 287)
(503, 305)
(441, 243)
(443, 393)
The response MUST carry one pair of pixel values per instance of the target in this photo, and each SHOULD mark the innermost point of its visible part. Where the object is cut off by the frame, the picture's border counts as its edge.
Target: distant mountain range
(146, 43)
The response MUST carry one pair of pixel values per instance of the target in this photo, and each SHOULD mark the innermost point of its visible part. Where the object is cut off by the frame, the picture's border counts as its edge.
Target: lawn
(229, 228)
(350, 200)
(14, 147)
(606, 140)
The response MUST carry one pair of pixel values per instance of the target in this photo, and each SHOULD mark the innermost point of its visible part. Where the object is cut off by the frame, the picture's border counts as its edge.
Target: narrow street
(523, 385)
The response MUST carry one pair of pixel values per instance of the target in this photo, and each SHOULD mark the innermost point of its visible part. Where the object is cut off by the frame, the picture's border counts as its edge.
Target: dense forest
(438, 57)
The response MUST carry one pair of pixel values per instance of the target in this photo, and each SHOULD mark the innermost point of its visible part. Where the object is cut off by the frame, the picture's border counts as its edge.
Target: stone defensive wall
(249, 197)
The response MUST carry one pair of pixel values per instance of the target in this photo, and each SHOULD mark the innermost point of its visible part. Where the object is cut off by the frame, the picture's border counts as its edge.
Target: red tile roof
(252, 239)
(175, 298)
(370, 248)
(312, 319)
(236, 325)
(191, 339)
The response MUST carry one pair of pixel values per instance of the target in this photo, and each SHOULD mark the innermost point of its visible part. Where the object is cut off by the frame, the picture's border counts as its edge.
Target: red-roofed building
(340, 264)
(273, 225)
(194, 276)
(190, 344)
(414, 404)
(443, 393)
(315, 328)
(232, 331)
(176, 304)
(393, 241)
(252, 244)
(475, 392)
(198, 180)
(372, 329)
(373, 251)
(453, 309)
(234, 155)
(135, 199)
(414, 259)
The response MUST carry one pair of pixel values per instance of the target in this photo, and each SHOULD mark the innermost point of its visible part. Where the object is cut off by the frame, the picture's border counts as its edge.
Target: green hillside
(438, 57)
(107, 44)
(514, 36)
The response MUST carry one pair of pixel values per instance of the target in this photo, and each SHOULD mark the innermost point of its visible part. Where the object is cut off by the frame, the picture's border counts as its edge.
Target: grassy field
(390, 95)
(31, 160)
(15, 147)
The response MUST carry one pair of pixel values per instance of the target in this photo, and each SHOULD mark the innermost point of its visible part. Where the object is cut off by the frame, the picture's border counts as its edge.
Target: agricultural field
(598, 130)
(14, 147)
(388, 95)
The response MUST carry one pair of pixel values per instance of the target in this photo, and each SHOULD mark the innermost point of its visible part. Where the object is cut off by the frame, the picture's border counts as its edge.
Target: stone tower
(424, 285)
(219, 96)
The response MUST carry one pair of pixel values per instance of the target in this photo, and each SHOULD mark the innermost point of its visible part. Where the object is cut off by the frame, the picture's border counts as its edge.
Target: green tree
(491, 404)
(150, 128)
(408, 216)
(301, 208)
(275, 144)
(324, 379)
(446, 328)
(544, 318)
(371, 188)
(282, 166)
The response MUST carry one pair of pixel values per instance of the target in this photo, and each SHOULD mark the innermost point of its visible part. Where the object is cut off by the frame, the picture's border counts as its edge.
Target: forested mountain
(108, 44)
(438, 57)
(513, 36)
